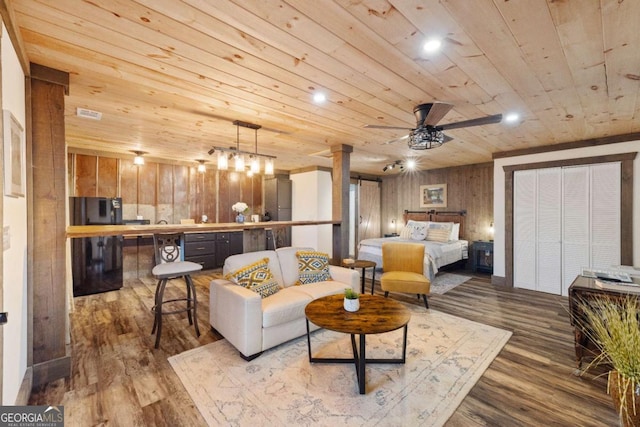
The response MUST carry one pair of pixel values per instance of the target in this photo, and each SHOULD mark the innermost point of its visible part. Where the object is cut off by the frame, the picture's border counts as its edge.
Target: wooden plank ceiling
(171, 76)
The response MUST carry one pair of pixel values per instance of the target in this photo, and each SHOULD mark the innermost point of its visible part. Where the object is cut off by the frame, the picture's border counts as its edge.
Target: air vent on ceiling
(88, 114)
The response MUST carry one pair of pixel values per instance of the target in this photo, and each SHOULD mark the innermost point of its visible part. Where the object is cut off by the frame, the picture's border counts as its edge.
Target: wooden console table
(584, 289)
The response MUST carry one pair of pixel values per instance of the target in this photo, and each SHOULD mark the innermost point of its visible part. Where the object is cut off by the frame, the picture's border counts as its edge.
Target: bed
(438, 252)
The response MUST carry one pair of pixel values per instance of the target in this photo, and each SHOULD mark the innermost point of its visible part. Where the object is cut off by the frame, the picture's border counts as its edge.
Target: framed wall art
(433, 196)
(14, 156)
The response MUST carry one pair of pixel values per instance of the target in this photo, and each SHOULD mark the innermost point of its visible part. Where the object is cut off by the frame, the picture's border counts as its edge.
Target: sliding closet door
(524, 229)
(549, 231)
(537, 230)
(605, 215)
(575, 223)
(591, 223)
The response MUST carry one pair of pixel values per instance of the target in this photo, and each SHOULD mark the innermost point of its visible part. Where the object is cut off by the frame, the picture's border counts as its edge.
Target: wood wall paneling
(86, 174)
(468, 187)
(197, 192)
(160, 191)
(129, 189)
(256, 183)
(210, 194)
(148, 191)
(181, 205)
(107, 177)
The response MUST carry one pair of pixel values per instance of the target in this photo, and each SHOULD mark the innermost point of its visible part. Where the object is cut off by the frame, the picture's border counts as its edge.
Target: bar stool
(169, 266)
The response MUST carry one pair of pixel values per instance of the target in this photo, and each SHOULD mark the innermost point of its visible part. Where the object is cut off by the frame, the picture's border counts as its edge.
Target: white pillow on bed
(455, 232)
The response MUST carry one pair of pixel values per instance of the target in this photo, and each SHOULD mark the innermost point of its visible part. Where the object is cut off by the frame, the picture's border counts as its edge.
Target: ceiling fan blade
(431, 114)
(402, 138)
(497, 118)
(386, 127)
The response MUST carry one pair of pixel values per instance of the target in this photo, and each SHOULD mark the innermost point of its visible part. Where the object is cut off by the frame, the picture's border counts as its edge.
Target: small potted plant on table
(351, 300)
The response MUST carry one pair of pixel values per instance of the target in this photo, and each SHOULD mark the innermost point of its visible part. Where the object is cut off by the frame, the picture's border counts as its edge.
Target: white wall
(15, 258)
(601, 150)
(311, 201)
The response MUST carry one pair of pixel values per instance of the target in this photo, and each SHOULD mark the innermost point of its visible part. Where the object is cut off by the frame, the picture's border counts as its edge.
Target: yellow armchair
(403, 265)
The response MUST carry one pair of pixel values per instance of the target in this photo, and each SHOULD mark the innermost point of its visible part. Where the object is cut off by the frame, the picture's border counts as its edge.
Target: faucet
(162, 221)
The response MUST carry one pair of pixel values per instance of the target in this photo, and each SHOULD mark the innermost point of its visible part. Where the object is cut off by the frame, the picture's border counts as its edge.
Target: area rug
(443, 282)
(446, 355)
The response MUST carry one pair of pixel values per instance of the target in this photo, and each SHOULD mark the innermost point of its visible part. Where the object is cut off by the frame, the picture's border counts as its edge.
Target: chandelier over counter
(240, 157)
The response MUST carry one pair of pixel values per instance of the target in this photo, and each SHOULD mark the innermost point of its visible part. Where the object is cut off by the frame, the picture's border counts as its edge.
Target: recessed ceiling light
(511, 118)
(319, 97)
(432, 45)
(411, 164)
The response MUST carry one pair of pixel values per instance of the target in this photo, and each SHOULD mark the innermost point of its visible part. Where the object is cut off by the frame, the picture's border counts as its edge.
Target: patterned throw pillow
(312, 267)
(256, 277)
(405, 233)
(439, 234)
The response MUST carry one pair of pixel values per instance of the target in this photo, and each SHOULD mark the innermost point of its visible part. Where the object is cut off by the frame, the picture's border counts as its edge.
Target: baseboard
(51, 370)
(498, 280)
(25, 388)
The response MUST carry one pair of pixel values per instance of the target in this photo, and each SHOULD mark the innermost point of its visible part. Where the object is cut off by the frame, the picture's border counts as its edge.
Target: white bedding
(436, 254)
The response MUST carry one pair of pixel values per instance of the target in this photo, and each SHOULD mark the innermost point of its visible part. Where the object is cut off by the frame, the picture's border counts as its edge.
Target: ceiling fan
(427, 134)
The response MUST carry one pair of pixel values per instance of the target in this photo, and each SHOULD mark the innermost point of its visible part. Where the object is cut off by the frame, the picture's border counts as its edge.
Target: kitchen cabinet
(227, 244)
(211, 249)
(200, 248)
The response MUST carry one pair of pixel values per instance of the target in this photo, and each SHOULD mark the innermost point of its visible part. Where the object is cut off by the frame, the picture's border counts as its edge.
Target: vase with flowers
(240, 208)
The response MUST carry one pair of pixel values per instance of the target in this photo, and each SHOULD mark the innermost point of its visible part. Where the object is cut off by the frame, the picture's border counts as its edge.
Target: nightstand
(482, 256)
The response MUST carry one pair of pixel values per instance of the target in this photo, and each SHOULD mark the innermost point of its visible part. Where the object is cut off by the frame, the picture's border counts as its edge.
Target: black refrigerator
(96, 262)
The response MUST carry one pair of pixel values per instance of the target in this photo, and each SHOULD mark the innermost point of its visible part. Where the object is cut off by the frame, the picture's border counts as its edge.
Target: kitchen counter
(74, 231)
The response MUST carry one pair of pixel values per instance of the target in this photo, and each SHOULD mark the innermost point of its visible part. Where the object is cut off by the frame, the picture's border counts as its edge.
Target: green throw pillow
(256, 277)
(312, 267)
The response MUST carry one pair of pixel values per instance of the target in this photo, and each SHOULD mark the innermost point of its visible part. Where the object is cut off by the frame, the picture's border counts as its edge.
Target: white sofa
(253, 324)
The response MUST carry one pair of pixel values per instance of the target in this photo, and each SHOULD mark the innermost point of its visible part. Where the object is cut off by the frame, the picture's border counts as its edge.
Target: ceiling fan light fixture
(425, 139)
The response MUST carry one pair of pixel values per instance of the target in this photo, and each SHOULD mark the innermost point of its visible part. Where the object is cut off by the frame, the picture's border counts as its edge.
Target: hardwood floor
(119, 379)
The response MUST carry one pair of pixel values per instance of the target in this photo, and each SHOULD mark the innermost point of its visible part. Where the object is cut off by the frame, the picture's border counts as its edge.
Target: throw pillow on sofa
(313, 267)
(256, 277)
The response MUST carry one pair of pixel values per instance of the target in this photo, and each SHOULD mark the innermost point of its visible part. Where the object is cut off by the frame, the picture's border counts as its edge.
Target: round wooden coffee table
(376, 315)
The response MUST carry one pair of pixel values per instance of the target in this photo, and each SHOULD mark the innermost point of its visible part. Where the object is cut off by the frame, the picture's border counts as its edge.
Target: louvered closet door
(575, 222)
(524, 229)
(605, 215)
(549, 231)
